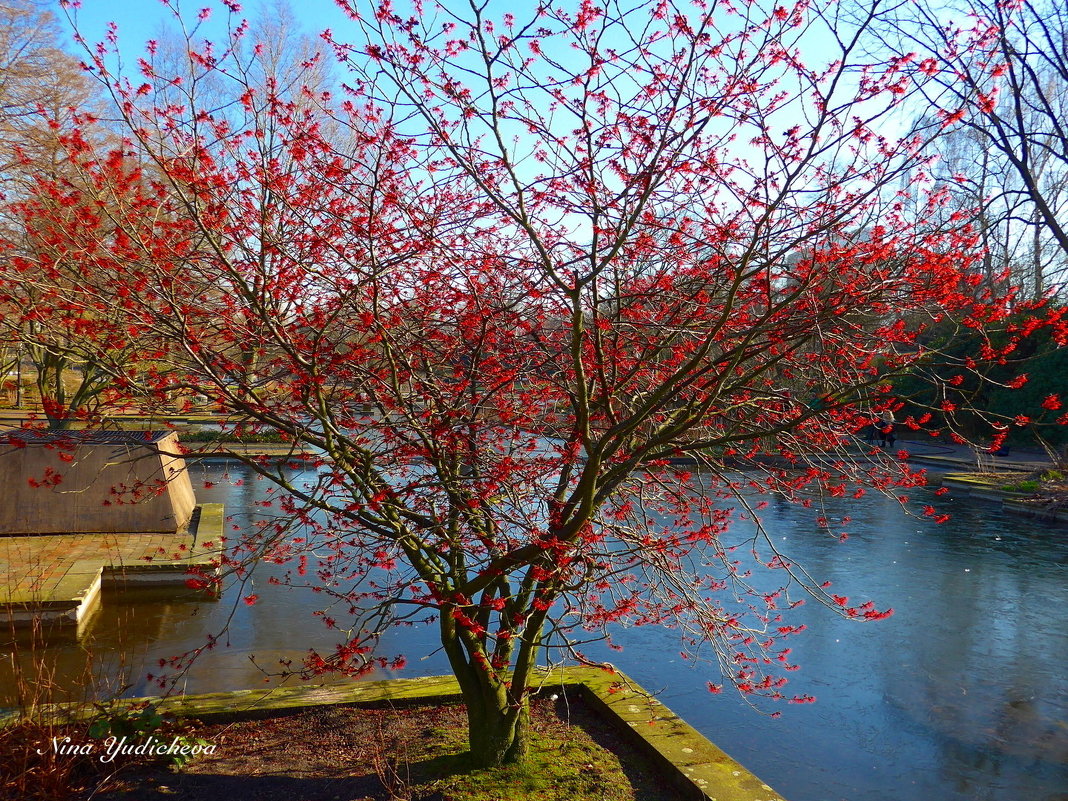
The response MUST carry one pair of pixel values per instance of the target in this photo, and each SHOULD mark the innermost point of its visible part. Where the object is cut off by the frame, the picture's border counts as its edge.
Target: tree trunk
(498, 705)
(497, 736)
(1037, 278)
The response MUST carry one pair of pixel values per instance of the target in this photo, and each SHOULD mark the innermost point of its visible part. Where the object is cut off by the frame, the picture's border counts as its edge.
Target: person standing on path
(886, 430)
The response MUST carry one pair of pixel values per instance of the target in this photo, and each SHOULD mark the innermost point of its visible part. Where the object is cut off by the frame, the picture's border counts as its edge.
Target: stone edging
(1015, 502)
(695, 766)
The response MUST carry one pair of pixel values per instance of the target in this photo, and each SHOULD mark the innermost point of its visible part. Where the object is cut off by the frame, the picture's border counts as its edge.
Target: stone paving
(61, 574)
(51, 567)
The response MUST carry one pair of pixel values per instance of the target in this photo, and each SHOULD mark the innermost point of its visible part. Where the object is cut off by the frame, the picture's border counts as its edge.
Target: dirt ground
(345, 753)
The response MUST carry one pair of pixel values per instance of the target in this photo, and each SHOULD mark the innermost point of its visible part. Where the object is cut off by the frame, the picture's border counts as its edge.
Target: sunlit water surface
(962, 694)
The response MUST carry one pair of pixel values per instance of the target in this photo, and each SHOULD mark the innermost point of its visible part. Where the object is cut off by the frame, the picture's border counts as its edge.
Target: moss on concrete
(696, 767)
(978, 486)
(991, 488)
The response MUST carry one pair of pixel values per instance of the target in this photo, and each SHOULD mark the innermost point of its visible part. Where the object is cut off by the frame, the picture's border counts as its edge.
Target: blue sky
(142, 20)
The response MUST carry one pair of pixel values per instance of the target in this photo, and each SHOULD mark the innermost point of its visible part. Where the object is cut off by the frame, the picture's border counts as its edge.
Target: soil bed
(350, 753)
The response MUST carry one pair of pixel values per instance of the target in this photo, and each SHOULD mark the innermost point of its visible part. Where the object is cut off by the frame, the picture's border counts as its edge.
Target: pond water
(961, 694)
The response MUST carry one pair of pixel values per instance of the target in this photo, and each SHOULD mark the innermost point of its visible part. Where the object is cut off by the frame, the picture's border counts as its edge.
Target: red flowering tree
(67, 225)
(505, 284)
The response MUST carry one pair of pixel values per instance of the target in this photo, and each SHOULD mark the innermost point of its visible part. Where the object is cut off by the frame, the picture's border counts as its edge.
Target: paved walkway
(947, 454)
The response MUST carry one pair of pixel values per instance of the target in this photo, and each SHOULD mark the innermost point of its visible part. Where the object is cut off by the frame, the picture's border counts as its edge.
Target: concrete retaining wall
(84, 482)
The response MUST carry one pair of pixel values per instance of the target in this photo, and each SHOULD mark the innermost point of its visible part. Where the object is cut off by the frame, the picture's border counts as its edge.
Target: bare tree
(1001, 71)
(40, 85)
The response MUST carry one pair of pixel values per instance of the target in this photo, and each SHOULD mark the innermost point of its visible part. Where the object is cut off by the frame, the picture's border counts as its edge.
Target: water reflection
(962, 694)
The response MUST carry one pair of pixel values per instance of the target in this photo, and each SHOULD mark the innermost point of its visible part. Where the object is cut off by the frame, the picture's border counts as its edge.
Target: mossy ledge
(696, 767)
(993, 489)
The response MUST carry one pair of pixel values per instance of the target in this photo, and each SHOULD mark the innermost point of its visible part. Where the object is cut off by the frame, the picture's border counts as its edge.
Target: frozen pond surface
(962, 694)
